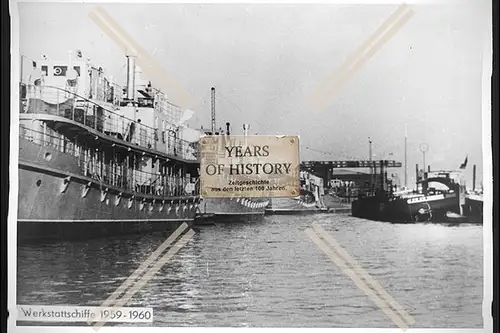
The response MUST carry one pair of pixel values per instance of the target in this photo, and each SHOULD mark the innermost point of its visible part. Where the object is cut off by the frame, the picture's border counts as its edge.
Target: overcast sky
(265, 59)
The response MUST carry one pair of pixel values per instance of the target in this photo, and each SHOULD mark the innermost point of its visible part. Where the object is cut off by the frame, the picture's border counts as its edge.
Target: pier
(325, 169)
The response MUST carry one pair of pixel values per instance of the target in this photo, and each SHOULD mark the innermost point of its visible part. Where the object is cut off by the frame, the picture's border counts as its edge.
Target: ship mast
(406, 157)
(131, 78)
(213, 110)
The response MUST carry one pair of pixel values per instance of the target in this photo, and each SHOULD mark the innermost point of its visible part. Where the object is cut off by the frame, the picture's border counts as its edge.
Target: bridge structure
(324, 169)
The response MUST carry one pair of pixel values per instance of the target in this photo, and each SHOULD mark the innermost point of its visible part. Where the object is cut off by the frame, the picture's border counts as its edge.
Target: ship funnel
(130, 77)
(227, 128)
(246, 127)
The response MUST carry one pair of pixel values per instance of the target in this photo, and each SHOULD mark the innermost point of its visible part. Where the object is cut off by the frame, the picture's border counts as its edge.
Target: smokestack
(213, 110)
(416, 172)
(227, 128)
(130, 77)
(245, 129)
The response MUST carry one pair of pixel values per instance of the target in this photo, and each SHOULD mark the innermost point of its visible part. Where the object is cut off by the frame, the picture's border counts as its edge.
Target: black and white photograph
(259, 165)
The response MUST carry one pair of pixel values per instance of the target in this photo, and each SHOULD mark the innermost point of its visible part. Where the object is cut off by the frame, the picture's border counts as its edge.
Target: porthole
(38, 182)
(48, 156)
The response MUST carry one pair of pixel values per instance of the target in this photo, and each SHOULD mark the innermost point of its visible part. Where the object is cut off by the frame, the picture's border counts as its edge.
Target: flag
(463, 165)
(60, 70)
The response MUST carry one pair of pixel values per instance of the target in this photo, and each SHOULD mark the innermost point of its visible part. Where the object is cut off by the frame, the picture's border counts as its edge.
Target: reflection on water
(270, 274)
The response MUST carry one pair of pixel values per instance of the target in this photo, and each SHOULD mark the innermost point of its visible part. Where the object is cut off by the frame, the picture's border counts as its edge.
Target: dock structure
(325, 169)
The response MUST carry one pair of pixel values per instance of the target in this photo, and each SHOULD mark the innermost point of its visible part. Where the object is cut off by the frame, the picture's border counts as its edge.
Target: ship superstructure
(310, 199)
(230, 209)
(96, 158)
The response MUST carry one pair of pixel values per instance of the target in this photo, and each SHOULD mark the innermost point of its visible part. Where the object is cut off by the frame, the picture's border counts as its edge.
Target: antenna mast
(213, 110)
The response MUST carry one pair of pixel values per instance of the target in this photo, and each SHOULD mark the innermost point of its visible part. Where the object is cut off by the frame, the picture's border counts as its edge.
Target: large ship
(229, 209)
(96, 159)
(439, 197)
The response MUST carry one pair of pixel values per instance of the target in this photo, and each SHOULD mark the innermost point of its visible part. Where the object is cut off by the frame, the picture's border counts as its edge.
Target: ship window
(77, 69)
(45, 70)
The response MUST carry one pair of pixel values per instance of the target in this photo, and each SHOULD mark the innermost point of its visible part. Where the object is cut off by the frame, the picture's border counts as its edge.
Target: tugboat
(96, 159)
(427, 204)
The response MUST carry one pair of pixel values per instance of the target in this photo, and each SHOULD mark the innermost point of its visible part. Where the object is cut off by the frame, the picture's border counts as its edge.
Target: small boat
(311, 199)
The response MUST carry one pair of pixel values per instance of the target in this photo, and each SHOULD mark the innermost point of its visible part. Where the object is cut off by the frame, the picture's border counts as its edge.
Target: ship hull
(35, 232)
(401, 210)
(233, 209)
(56, 201)
(473, 206)
(288, 206)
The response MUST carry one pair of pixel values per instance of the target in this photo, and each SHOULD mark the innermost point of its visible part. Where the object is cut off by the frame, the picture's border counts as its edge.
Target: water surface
(270, 274)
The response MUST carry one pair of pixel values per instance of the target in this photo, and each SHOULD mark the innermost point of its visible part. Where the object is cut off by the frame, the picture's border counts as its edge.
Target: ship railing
(156, 184)
(163, 105)
(58, 142)
(136, 181)
(64, 103)
(139, 181)
(113, 174)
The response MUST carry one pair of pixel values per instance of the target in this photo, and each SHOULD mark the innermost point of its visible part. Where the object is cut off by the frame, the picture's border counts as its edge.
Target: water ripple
(271, 274)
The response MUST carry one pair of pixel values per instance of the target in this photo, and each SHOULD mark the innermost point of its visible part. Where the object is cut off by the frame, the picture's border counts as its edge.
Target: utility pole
(424, 147)
(213, 111)
(370, 150)
(423, 153)
(370, 159)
